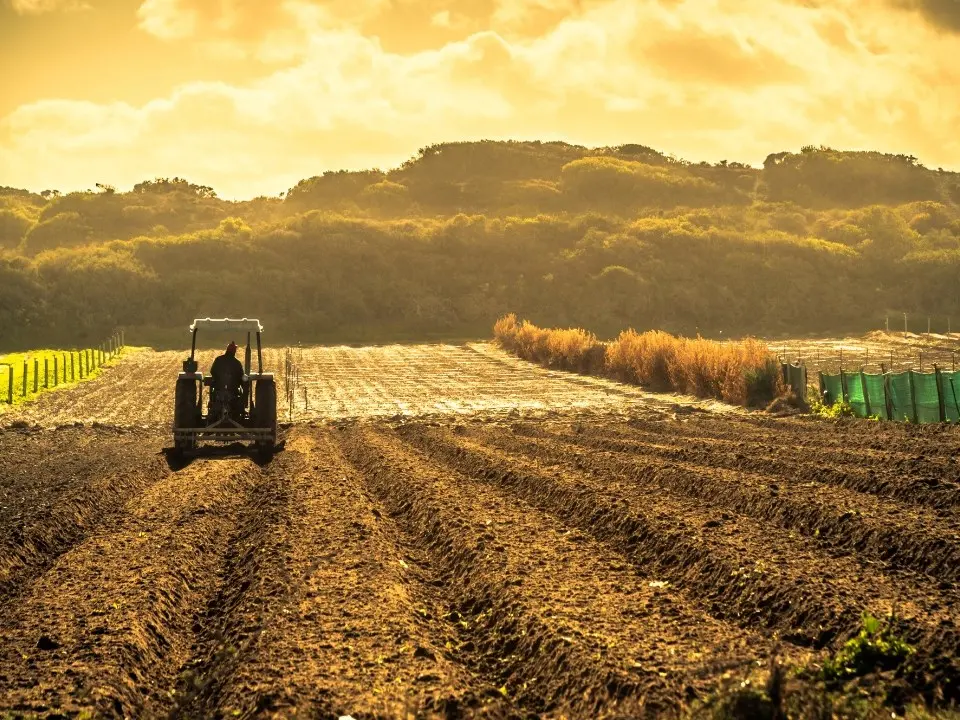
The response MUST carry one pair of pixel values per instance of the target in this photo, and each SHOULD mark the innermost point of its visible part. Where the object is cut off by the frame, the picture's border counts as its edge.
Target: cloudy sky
(250, 96)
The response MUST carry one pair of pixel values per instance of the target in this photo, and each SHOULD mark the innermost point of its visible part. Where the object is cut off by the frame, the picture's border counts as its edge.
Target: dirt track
(468, 564)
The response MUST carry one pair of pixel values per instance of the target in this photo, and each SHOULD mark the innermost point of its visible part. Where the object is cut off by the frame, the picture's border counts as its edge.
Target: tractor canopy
(243, 324)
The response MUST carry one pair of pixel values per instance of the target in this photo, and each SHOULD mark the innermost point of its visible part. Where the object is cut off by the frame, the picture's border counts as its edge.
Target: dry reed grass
(568, 349)
(741, 373)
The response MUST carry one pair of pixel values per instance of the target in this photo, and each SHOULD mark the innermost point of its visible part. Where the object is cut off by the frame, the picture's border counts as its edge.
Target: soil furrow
(736, 567)
(562, 621)
(912, 479)
(51, 499)
(322, 612)
(252, 581)
(845, 435)
(906, 538)
(107, 628)
(542, 667)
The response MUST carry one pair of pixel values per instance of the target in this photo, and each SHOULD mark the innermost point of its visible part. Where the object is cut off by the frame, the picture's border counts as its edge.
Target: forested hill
(605, 238)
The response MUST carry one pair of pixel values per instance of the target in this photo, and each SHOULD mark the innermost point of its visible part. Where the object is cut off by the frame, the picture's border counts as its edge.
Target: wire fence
(37, 372)
(877, 353)
(293, 357)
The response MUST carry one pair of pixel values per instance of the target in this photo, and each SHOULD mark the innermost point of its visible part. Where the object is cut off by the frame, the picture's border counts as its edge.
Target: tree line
(603, 238)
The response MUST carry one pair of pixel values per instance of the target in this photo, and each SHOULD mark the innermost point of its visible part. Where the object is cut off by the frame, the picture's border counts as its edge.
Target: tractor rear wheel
(185, 413)
(266, 413)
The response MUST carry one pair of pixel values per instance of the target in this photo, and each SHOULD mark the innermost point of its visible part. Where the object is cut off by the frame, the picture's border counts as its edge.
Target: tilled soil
(474, 566)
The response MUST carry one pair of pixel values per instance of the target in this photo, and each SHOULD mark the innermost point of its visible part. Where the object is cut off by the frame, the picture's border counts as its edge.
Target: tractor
(244, 414)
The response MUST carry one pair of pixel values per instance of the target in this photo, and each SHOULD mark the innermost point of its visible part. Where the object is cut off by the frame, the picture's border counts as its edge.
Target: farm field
(895, 351)
(339, 383)
(450, 531)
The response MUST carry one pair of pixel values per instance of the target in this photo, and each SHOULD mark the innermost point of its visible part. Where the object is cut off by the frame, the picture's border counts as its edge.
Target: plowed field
(462, 562)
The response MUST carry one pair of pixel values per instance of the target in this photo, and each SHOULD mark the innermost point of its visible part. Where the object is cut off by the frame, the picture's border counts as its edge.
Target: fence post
(9, 367)
(73, 372)
(887, 399)
(25, 369)
(64, 356)
(953, 392)
(56, 371)
(913, 397)
(36, 376)
(46, 373)
(866, 394)
(940, 399)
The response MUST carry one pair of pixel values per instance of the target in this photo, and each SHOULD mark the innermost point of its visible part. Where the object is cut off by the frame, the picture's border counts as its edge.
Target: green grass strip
(63, 380)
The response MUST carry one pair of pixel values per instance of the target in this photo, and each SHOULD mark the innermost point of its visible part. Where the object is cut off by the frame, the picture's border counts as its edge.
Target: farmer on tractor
(226, 370)
(227, 375)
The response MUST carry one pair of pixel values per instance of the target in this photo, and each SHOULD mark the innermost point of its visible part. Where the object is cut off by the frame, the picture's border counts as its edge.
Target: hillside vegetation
(820, 240)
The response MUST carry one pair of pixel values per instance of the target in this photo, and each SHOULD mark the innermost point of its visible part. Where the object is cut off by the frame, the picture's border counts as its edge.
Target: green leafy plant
(839, 409)
(875, 647)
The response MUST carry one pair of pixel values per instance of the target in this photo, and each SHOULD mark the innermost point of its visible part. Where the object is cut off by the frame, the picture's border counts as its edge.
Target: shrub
(839, 409)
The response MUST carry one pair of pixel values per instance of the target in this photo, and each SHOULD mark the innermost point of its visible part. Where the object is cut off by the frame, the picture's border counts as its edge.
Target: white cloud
(167, 19)
(702, 79)
(35, 7)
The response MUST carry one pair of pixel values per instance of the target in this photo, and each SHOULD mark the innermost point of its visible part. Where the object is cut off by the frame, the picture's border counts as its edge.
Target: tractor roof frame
(248, 325)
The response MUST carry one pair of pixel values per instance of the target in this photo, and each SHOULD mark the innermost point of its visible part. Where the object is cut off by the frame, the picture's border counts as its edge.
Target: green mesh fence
(901, 398)
(855, 394)
(910, 396)
(950, 383)
(927, 397)
(833, 389)
(877, 395)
